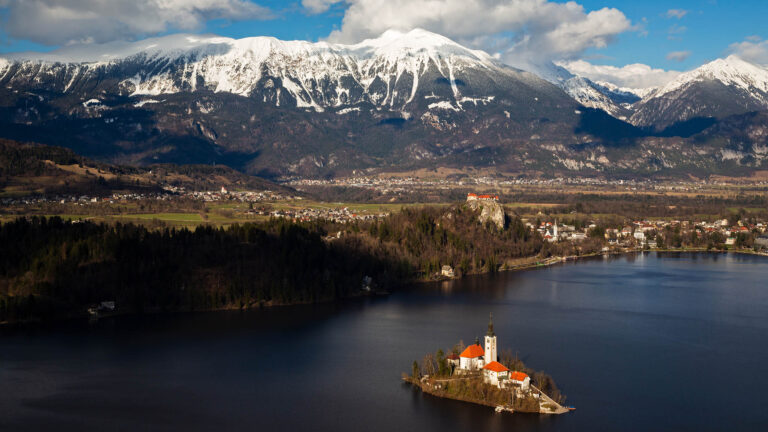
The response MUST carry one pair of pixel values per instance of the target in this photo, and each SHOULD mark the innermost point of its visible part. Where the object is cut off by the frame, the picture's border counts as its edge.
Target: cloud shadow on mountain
(608, 129)
(687, 128)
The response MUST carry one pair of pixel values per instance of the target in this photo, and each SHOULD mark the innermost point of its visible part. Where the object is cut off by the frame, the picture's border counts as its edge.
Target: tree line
(54, 268)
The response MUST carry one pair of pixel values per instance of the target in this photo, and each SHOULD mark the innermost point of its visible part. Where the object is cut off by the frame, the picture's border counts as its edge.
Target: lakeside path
(533, 263)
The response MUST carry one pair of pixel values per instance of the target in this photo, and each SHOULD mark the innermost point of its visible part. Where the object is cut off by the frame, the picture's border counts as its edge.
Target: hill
(35, 169)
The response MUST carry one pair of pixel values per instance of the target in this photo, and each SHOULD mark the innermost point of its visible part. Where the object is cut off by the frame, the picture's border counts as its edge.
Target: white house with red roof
(521, 379)
(495, 373)
(472, 358)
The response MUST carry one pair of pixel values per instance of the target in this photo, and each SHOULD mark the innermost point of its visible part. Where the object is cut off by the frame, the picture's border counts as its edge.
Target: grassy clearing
(171, 217)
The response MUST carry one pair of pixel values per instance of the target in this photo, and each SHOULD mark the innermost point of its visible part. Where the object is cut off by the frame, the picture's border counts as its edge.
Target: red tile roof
(473, 351)
(484, 196)
(496, 367)
(518, 376)
(452, 357)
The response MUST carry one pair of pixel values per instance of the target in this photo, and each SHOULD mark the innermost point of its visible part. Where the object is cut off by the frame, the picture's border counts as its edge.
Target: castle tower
(490, 343)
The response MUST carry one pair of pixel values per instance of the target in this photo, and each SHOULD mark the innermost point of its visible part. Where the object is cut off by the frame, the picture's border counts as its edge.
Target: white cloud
(677, 13)
(754, 50)
(537, 30)
(61, 22)
(319, 6)
(679, 56)
(637, 76)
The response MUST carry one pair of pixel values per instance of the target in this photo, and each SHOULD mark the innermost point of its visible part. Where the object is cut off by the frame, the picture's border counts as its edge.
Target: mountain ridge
(718, 89)
(276, 108)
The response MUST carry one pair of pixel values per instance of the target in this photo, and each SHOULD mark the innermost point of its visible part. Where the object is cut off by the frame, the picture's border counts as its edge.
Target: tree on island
(415, 370)
(442, 364)
(428, 366)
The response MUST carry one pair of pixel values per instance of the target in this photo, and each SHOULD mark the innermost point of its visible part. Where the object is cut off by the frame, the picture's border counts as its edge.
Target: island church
(477, 358)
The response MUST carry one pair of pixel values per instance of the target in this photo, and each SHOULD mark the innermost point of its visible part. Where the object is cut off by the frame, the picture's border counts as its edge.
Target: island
(475, 374)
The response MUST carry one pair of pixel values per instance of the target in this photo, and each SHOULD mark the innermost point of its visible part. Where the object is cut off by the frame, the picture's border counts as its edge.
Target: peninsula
(476, 375)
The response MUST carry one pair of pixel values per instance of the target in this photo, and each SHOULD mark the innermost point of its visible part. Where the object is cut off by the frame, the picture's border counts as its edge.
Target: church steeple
(490, 343)
(490, 326)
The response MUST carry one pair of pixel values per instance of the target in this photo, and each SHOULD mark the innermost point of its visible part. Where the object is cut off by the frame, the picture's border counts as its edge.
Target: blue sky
(710, 28)
(677, 35)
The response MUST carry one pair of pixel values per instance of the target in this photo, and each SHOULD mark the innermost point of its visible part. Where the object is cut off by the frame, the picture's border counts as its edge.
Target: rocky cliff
(489, 211)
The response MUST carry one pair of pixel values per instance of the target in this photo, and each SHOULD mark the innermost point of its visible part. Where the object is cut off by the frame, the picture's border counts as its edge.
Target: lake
(662, 342)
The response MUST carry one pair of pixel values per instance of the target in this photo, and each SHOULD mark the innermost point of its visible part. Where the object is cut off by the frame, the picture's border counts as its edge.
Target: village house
(447, 271)
(521, 379)
(453, 360)
(495, 373)
(472, 358)
(578, 236)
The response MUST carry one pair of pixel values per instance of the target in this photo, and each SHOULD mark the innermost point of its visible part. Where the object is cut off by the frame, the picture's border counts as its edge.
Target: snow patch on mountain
(583, 90)
(639, 93)
(445, 105)
(348, 110)
(141, 103)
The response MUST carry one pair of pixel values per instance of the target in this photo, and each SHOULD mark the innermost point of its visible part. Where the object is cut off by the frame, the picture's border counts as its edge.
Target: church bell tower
(490, 343)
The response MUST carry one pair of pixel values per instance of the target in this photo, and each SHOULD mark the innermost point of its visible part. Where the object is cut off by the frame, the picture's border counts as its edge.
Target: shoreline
(556, 260)
(535, 264)
(431, 388)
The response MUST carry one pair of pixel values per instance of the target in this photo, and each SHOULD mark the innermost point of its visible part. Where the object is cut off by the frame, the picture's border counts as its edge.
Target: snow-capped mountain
(289, 106)
(400, 101)
(718, 89)
(608, 98)
(387, 72)
(626, 94)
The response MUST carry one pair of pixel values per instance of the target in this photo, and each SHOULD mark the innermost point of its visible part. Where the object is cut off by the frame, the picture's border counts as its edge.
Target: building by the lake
(485, 359)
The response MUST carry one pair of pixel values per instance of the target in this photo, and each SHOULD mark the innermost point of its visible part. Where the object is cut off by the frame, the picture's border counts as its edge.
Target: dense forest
(52, 268)
(431, 237)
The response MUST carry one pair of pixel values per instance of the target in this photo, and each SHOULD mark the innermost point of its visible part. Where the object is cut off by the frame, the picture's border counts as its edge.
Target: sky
(632, 43)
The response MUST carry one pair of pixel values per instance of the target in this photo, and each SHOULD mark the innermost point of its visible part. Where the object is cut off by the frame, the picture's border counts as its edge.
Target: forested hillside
(52, 268)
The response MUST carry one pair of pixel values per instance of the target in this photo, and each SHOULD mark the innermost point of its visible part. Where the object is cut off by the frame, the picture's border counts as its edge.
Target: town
(654, 234)
(399, 185)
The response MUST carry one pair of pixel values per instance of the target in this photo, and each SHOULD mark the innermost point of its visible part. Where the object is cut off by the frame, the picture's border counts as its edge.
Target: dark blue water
(675, 343)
